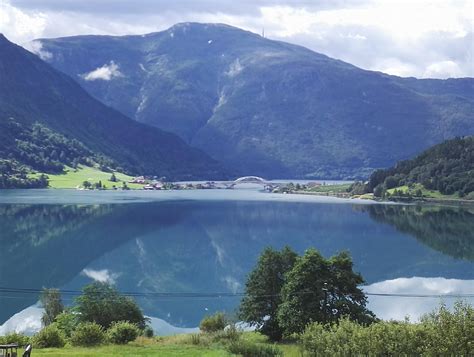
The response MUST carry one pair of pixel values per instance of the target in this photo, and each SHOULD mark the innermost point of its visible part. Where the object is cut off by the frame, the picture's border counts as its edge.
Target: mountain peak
(265, 107)
(3, 39)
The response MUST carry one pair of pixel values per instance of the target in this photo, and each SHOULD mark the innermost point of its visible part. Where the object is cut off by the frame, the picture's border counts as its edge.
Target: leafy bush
(213, 323)
(50, 336)
(88, 334)
(248, 349)
(67, 322)
(14, 337)
(122, 332)
(230, 333)
(147, 332)
(103, 304)
(441, 333)
(195, 339)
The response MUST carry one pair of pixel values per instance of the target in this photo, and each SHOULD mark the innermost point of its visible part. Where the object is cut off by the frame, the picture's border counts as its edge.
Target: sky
(419, 38)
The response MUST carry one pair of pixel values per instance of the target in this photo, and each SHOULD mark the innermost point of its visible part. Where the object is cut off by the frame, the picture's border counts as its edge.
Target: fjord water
(207, 241)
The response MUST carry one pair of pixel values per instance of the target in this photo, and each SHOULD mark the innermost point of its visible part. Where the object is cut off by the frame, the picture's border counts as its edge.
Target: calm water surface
(207, 241)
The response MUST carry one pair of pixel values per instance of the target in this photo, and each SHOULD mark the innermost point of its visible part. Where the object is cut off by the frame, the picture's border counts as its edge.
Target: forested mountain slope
(35, 96)
(266, 107)
(447, 167)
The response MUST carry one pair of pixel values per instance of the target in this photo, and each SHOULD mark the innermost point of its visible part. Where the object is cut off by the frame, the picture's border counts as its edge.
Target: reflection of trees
(448, 230)
(48, 245)
(34, 225)
(185, 246)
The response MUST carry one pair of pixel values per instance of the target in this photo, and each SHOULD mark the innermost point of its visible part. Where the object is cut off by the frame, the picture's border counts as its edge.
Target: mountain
(33, 94)
(447, 167)
(265, 107)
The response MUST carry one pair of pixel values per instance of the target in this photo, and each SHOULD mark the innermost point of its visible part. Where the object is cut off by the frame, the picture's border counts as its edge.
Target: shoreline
(425, 200)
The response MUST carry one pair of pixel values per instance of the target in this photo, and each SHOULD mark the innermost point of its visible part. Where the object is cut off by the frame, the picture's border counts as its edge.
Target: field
(74, 178)
(340, 188)
(179, 345)
(426, 193)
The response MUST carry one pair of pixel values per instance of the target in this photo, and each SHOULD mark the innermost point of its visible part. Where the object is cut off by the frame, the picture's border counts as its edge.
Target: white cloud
(103, 276)
(397, 308)
(27, 321)
(105, 73)
(402, 37)
(443, 69)
(37, 48)
(20, 26)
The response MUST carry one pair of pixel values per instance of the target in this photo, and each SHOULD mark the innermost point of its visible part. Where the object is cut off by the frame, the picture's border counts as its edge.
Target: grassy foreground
(74, 178)
(179, 345)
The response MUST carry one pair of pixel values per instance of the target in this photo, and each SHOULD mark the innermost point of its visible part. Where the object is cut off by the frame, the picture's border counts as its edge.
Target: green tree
(113, 178)
(263, 291)
(321, 290)
(86, 185)
(102, 303)
(52, 304)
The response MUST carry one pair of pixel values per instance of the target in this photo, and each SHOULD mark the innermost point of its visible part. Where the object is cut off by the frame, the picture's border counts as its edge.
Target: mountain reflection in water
(210, 246)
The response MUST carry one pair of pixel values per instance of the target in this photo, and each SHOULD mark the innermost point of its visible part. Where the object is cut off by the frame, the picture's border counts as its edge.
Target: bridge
(269, 186)
(251, 179)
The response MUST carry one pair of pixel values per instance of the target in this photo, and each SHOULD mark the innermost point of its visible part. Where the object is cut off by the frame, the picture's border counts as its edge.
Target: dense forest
(447, 167)
(25, 149)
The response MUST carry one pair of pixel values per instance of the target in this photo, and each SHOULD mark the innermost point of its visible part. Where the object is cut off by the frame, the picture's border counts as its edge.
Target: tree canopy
(447, 167)
(103, 304)
(260, 305)
(285, 292)
(52, 305)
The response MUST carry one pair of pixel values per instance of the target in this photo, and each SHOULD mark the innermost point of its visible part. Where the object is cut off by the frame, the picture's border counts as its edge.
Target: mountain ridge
(266, 107)
(32, 92)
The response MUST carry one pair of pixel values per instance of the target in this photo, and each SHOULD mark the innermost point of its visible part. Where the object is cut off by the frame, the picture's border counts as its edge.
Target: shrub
(88, 334)
(67, 322)
(50, 336)
(147, 332)
(248, 349)
(103, 304)
(195, 339)
(14, 337)
(213, 323)
(229, 333)
(439, 334)
(122, 332)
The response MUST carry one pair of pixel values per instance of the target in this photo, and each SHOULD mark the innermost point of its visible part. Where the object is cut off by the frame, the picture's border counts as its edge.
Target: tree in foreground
(102, 303)
(263, 291)
(322, 290)
(52, 304)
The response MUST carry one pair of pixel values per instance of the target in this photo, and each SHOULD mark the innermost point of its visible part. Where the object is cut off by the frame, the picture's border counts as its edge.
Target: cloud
(397, 308)
(105, 73)
(408, 38)
(27, 321)
(20, 26)
(37, 48)
(443, 69)
(103, 276)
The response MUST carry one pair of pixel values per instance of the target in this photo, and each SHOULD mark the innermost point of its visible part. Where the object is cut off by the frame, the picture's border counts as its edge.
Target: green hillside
(264, 107)
(447, 168)
(48, 121)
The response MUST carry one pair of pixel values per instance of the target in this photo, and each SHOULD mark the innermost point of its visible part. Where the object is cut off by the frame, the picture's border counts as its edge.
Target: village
(160, 184)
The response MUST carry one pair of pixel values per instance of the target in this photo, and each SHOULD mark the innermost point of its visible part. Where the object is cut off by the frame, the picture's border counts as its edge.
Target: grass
(179, 345)
(74, 178)
(340, 188)
(426, 193)
(289, 349)
(130, 350)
